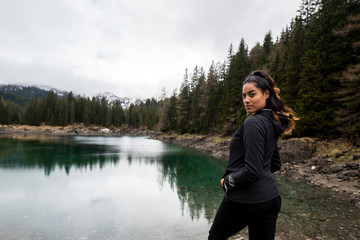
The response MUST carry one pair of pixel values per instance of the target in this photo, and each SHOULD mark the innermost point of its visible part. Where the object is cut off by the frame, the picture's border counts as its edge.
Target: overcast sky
(131, 48)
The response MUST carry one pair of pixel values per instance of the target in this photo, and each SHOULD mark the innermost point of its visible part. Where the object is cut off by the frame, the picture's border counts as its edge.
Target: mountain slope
(22, 94)
(124, 101)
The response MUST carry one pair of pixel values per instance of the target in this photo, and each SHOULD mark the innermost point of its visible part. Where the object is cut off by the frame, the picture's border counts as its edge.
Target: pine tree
(80, 105)
(61, 113)
(32, 113)
(164, 116)
(50, 108)
(232, 99)
(293, 65)
(173, 118)
(10, 112)
(279, 59)
(195, 94)
(104, 121)
(308, 9)
(3, 112)
(203, 92)
(325, 57)
(71, 110)
(266, 50)
(183, 106)
(135, 116)
(117, 114)
(151, 118)
(96, 111)
(255, 56)
(348, 115)
(87, 118)
(223, 109)
(14, 111)
(213, 100)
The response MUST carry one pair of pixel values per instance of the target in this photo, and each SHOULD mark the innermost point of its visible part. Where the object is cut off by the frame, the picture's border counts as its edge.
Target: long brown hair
(265, 82)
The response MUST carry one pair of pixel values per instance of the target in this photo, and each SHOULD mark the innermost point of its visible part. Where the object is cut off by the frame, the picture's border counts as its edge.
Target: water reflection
(193, 176)
(111, 180)
(50, 152)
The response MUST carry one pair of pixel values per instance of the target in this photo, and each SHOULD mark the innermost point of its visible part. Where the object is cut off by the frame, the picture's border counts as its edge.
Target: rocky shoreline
(79, 129)
(330, 164)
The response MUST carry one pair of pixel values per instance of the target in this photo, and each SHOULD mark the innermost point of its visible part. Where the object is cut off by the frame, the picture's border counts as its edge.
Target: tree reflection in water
(36, 151)
(307, 212)
(194, 176)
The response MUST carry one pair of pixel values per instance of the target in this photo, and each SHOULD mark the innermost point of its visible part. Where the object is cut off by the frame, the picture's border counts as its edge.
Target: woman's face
(254, 99)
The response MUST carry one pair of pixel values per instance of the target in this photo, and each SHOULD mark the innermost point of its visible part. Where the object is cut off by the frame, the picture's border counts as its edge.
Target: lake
(110, 187)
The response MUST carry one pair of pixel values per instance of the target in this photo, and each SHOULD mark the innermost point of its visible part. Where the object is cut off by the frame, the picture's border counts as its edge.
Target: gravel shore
(330, 164)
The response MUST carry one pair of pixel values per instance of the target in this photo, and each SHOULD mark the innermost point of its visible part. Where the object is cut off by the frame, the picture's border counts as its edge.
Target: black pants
(233, 217)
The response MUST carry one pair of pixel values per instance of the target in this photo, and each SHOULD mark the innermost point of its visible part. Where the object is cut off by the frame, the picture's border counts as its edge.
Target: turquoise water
(100, 187)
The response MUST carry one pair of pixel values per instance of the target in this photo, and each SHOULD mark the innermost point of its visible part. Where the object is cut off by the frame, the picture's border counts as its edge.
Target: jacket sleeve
(275, 164)
(254, 141)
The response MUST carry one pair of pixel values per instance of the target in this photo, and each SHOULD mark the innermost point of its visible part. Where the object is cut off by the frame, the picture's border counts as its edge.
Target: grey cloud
(93, 45)
(42, 75)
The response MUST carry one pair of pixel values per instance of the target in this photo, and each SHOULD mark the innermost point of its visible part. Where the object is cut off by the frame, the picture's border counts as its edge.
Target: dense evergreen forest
(315, 62)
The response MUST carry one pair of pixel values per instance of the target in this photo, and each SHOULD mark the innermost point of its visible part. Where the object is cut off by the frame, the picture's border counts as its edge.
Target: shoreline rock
(79, 129)
(214, 145)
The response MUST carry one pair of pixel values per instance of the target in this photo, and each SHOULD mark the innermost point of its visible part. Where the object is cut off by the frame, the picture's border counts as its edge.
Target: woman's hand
(222, 182)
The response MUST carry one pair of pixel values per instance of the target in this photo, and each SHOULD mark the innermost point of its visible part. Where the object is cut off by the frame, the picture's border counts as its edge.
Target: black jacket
(254, 156)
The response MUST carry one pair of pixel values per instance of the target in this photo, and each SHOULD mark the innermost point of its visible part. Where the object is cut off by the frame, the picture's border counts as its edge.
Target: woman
(252, 198)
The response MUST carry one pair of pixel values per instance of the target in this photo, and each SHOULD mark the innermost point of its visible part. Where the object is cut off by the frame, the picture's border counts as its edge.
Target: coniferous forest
(315, 62)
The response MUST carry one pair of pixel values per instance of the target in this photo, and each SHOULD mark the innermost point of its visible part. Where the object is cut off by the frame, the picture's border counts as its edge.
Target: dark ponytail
(265, 82)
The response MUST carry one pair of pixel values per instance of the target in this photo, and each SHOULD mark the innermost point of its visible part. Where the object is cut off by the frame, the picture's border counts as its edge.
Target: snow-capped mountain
(32, 89)
(58, 92)
(124, 101)
(22, 94)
